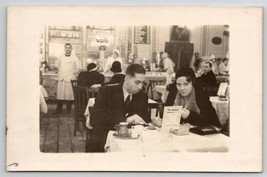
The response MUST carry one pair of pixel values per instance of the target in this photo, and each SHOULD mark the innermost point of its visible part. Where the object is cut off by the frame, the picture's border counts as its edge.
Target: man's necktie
(127, 104)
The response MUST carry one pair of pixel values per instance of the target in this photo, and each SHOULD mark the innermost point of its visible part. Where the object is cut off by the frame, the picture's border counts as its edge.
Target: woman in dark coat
(91, 76)
(118, 77)
(197, 109)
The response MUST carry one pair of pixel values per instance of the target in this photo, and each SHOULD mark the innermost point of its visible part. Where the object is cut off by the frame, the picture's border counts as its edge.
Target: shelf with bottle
(65, 28)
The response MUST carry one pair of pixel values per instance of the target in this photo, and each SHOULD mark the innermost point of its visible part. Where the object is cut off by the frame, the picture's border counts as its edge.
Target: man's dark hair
(68, 44)
(210, 65)
(225, 59)
(135, 68)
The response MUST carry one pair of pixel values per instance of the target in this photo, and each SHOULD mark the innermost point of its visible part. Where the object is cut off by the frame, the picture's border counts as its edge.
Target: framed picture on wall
(179, 33)
(142, 34)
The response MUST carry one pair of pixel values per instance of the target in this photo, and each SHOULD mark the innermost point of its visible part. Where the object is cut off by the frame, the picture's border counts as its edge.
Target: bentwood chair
(150, 86)
(159, 109)
(91, 93)
(80, 103)
(81, 96)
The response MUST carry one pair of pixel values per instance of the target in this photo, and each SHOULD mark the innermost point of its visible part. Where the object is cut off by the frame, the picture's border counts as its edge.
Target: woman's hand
(185, 113)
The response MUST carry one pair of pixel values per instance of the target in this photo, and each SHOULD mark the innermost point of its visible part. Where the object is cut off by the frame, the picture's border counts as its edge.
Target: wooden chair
(80, 103)
(159, 109)
(81, 96)
(151, 84)
(91, 93)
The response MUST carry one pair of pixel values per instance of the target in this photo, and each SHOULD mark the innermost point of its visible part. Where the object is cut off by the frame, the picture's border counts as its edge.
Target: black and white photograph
(103, 92)
(166, 90)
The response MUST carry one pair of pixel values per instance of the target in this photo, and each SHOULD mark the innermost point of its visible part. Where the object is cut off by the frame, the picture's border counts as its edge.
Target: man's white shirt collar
(125, 94)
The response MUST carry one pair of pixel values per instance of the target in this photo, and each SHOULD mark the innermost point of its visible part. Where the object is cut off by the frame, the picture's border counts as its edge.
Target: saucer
(151, 128)
(124, 137)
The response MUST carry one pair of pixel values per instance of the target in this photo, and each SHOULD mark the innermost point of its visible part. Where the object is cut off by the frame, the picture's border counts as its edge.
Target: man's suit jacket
(209, 79)
(109, 108)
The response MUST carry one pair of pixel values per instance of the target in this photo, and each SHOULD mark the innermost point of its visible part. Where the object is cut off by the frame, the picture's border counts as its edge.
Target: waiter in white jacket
(68, 66)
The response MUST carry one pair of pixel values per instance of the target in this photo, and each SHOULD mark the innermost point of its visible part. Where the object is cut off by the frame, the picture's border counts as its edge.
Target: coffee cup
(122, 129)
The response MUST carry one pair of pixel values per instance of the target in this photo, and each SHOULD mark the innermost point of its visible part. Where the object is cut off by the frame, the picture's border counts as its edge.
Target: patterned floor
(56, 133)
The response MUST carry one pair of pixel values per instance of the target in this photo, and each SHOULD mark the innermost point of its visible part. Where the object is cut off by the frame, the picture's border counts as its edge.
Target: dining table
(161, 140)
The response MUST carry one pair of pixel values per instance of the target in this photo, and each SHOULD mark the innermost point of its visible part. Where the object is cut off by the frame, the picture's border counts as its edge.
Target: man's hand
(135, 119)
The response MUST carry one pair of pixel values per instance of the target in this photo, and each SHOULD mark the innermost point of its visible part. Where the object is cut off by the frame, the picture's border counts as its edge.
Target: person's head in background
(134, 78)
(225, 61)
(164, 55)
(115, 53)
(92, 67)
(185, 77)
(68, 49)
(116, 67)
(207, 67)
(198, 64)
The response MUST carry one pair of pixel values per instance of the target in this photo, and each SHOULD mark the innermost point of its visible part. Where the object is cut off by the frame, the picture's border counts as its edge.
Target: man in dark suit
(124, 102)
(90, 77)
(207, 79)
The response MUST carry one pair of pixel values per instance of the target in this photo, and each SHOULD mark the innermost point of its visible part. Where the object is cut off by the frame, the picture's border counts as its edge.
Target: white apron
(68, 67)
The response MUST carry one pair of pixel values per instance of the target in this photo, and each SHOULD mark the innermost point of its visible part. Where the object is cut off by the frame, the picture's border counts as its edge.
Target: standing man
(168, 64)
(68, 66)
(124, 102)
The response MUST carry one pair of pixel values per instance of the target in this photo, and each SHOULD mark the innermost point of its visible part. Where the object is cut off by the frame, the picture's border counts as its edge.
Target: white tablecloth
(162, 141)
(91, 103)
(43, 96)
(221, 107)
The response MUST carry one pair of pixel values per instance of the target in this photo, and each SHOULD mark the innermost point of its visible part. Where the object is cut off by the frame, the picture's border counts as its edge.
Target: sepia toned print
(90, 63)
(146, 88)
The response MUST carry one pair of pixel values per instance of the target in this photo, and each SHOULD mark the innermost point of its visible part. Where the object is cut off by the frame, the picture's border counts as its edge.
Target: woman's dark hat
(187, 72)
(116, 67)
(91, 66)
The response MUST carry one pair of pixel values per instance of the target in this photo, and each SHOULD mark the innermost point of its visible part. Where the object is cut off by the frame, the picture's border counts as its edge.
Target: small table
(91, 103)
(221, 107)
(162, 141)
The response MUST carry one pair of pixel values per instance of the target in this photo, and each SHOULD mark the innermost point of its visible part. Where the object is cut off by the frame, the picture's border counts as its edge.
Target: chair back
(150, 86)
(159, 109)
(91, 92)
(80, 99)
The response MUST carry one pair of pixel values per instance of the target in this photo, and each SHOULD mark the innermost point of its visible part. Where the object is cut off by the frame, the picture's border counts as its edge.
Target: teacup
(122, 129)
